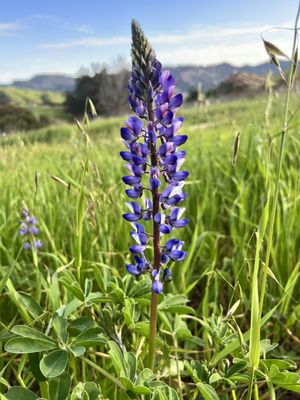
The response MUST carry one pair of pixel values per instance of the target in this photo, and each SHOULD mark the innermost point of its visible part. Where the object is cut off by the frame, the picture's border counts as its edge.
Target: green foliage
(87, 337)
(15, 118)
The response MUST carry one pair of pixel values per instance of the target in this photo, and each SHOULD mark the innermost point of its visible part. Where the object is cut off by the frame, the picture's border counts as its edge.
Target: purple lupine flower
(29, 230)
(154, 162)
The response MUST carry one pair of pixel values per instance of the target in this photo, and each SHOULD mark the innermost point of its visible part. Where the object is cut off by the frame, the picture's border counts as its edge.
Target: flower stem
(156, 249)
(152, 331)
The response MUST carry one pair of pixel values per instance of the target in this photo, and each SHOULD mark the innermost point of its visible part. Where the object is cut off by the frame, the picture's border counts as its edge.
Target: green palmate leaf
(69, 282)
(54, 364)
(175, 304)
(127, 383)
(165, 393)
(30, 303)
(139, 389)
(146, 375)
(207, 391)
(90, 337)
(280, 364)
(142, 328)
(80, 325)
(24, 345)
(34, 364)
(77, 351)
(284, 379)
(131, 362)
(117, 358)
(86, 391)
(28, 332)
(59, 387)
(60, 325)
(20, 393)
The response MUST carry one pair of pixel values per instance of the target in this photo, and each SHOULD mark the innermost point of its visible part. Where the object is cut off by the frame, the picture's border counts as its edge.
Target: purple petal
(180, 175)
(37, 244)
(127, 135)
(176, 101)
(179, 140)
(154, 183)
(171, 243)
(180, 223)
(135, 124)
(164, 258)
(132, 217)
(132, 193)
(126, 155)
(170, 159)
(131, 180)
(177, 255)
(165, 229)
(157, 286)
(167, 275)
(26, 246)
(137, 248)
(132, 269)
(158, 218)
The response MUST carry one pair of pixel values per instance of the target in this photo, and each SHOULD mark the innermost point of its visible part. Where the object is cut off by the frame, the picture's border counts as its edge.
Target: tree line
(106, 90)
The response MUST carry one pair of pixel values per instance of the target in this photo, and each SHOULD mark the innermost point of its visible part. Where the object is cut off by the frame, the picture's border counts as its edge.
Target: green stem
(177, 368)
(44, 389)
(278, 173)
(256, 393)
(37, 275)
(103, 372)
(250, 386)
(79, 225)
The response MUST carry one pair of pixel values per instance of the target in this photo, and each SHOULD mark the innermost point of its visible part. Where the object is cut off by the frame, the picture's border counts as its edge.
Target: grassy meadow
(72, 184)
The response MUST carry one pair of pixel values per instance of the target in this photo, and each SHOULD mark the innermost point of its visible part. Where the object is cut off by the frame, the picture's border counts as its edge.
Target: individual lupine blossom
(154, 162)
(29, 230)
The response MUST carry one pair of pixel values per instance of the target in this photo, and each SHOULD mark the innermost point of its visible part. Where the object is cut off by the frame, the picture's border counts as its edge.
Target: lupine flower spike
(29, 230)
(154, 164)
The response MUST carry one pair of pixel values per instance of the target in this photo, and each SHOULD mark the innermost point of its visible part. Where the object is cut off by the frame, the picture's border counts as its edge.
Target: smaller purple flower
(148, 209)
(37, 244)
(140, 237)
(169, 222)
(29, 230)
(136, 212)
(172, 251)
(141, 266)
(172, 195)
(26, 246)
(154, 178)
(167, 274)
(157, 285)
(24, 229)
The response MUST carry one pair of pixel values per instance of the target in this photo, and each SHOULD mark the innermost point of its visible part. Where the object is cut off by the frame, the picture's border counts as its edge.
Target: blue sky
(60, 36)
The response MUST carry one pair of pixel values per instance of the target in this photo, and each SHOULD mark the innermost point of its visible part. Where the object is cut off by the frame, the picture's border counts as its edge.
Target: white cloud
(8, 28)
(201, 45)
(88, 42)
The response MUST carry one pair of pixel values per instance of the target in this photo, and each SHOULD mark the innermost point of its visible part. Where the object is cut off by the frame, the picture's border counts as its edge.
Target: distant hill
(240, 83)
(187, 77)
(29, 97)
(56, 83)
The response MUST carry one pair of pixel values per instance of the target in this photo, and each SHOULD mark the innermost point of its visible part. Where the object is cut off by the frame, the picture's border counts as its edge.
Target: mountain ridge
(187, 77)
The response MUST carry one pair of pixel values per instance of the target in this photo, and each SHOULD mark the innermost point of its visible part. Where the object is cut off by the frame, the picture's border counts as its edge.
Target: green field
(41, 103)
(80, 220)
